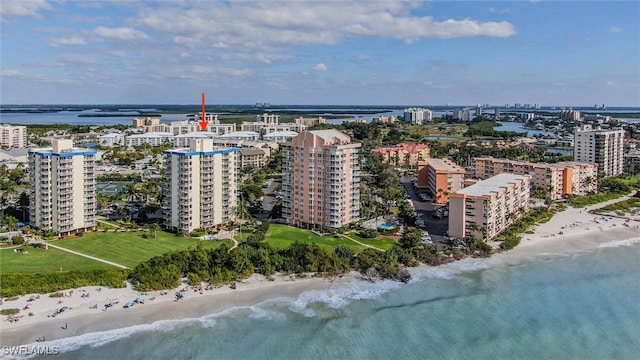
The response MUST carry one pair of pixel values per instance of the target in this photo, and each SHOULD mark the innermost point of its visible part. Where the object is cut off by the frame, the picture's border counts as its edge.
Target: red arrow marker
(203, 121)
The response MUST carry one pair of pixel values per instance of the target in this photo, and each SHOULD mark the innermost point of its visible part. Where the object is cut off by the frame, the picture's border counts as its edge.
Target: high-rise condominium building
(200, 186)
(321, 180)
(556, 180)
(483, 210)
(417, 116)
(603, 147)
(62, 188)
(13, 136)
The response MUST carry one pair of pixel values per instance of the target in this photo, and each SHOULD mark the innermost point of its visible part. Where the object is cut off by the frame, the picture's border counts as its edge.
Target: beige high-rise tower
(321, 180)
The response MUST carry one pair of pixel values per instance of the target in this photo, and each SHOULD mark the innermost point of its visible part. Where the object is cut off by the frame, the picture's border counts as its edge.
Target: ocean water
(584, 305)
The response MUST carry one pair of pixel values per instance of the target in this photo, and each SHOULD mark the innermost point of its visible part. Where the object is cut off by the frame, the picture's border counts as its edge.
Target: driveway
(436, 226)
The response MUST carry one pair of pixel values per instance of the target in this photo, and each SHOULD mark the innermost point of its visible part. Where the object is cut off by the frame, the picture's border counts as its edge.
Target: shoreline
(79, 319)
(570, 231)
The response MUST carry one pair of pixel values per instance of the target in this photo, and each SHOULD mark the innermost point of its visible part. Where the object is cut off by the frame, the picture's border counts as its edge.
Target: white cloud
(499, 11)
(10, 72)
(297, 23)
(615, 29)
(74, 40)
(320, 67)
(120, 33)
(11, 8)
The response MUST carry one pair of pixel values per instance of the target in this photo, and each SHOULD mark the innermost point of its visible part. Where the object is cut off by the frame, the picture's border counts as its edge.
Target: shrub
(40, 283)
(9, 312)
(368, 233)
(510, 242)
(17, 240)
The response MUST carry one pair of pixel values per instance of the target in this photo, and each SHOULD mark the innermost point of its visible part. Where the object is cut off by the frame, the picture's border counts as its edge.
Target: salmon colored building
(404, 154)
(482, 211)
(557, 180)
(440, 177)
(321, 180)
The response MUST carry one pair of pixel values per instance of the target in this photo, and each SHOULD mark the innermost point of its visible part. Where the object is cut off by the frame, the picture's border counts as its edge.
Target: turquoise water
(387, 225)
(579, 306)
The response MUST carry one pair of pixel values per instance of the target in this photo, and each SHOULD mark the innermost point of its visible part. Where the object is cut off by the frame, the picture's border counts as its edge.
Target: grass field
(131, 248)
(382, 242)
(281, 236)
(39, 260)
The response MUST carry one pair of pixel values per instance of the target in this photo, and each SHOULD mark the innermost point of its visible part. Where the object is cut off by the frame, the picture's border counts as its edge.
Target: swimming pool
(387, 225)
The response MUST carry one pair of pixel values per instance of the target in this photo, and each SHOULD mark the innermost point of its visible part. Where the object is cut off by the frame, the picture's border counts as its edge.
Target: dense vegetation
(221, 266)
(21, 284)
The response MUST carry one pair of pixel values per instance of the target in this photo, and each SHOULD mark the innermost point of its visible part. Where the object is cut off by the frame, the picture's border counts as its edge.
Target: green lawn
(131, 248)
(281, 236)
(381, 242)
(39, 260)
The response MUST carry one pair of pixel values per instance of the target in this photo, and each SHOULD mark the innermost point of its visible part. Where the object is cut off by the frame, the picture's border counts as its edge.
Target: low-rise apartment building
(200, 187)
(111, 139)
(440, 177)
(62, 194)
(252, 157)
(146, 121)
(483, 210)
(151, 138)
(404, 154)
(557, 180)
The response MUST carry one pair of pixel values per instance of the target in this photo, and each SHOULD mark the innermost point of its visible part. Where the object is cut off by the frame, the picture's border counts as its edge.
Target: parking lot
(271, 197)
(429, 216)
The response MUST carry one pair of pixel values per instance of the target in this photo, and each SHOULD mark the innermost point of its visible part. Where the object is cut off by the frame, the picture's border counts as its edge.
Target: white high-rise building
(603, 147)
(62, 188)
(462, 114)
(13, 136)
(200, 187)
(417, 116)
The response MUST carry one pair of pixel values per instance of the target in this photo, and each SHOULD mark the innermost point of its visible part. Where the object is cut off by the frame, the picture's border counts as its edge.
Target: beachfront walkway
(88, 256)
(358, 242)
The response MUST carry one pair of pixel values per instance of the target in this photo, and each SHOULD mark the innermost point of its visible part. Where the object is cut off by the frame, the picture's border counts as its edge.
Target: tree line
(223, 266)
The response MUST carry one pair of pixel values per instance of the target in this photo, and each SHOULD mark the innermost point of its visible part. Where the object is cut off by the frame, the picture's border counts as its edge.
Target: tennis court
(111, 188)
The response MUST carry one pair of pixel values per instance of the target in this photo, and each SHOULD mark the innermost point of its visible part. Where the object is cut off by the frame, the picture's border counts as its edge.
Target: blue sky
(565, 53)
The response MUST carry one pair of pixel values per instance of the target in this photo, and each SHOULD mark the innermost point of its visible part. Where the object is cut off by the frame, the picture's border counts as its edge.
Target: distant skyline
(560, 53)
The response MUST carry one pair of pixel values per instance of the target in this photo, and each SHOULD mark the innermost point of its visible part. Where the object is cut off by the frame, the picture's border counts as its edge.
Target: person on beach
(65, 326)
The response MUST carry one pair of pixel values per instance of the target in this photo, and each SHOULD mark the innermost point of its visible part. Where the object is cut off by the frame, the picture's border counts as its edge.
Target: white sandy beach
(80, 318)
(569, 230)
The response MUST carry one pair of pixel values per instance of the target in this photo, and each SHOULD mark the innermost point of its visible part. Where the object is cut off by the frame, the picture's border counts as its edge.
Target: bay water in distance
(581, 305)
(126, 114)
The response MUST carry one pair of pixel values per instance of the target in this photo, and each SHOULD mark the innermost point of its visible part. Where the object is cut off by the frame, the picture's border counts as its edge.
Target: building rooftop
(151, 134)
(443, 165)
(330, 134)
(242, 134)
(252, 151)
(195, 134)
(281, 133)
(493, 184)
(561, 164)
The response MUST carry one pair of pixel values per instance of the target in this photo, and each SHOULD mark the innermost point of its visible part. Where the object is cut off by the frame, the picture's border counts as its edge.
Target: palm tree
(154, 227)
(23, 202)
(130, 191)
(11, 223)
